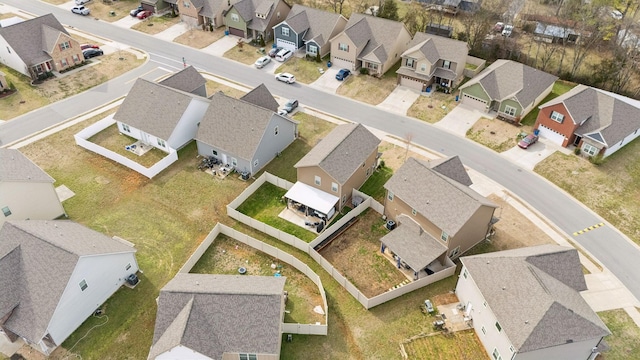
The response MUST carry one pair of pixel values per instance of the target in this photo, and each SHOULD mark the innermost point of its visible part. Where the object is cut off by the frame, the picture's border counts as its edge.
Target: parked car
(429, 306)
(508, 29)
(343, 74)
(291, 105)
(89, 53)
(135, 11)
(80, 10)
(82, 2)
(143, 14)
(262, 61)
(89, 46)
(272, 53)
(283, 55)
(286, 77)
(498, 27)
(528, 141)
(616, 14)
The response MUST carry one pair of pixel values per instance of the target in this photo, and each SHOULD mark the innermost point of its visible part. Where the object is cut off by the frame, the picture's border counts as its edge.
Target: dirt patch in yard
(368, 89)
(199, 39)
(432, 108)
(496, 134)
(155, 24)
(395, 155)
(356, 255)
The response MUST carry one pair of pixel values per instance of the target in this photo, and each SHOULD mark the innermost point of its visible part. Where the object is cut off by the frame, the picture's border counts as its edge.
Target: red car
(143, 14)
(89, 46)
(528, 141)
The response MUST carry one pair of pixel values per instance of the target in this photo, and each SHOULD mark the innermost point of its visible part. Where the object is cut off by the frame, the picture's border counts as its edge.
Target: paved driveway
(327, 82)
(537, 152)
(221, 46)
(400, 100)
(459, 120)
(173, 32)
(127, 21)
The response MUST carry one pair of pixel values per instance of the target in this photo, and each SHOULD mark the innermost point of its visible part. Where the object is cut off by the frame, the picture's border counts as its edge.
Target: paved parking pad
(400, 100)
(459, 120)
(173, 32)
(221, 46)
(530, 157)
(327, 82)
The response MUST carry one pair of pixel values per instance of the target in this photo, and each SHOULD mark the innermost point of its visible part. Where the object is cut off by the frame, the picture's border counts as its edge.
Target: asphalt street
(608, 245)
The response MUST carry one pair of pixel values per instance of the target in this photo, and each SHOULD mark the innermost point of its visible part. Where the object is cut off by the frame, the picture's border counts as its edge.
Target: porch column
(398, 262)
(382, 247)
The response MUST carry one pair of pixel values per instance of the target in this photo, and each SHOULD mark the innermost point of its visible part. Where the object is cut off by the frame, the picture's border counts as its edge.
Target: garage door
(289, 45)
(474, 102)
(411, 83)
(342, 63)
(236, 32)
(547, 133)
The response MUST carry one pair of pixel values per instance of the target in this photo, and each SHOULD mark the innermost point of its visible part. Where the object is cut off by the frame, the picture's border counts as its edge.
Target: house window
(214, 152)
(161, 143)
(368, 171)
(285, 31)
(444, 236)
(125, 127)
(589, 149)
(484, 303)
(6, 211)
(510, 110)
(8, 50)
(423, 67)
(512, 349)
(454, 252)
(496, 354)
(235, 17)
(313, 49)
(318, 181)
(64, 62)
(234, 162)
(39, 68)
(128, 266)
(344, 199)
(343, 47)
(414, 212)
(275, 131)
(186, 4)
(248, 357)
(83, 285)
(255, 162)
(75, 58)
(390, 196)
(446, 64)
(372, 66)
(498, 326)
(465, 273)
(410, 62)
(334, 187)
(65, 45)
(484, 331)
(556, 116)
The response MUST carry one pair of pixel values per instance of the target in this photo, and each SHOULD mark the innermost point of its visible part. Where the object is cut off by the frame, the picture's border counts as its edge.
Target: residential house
(526, 304)
(230, 317)
(436, 195)
(432, 59)
(255, 19)
(510, 88)
(160, 116)
(188, 80)
(342, 161)
(242, 134)
(369, 42)
(156, 6)
(38, 46)
(596, 121)
(262, 97)
(206, 13)
(26, 191)
(309, 28)
(555, 34)
(53, 275)
(452, 6)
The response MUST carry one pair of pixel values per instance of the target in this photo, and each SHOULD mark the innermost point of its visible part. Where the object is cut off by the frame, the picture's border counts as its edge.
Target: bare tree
(548, 53)
(336, 5)
(408, 137)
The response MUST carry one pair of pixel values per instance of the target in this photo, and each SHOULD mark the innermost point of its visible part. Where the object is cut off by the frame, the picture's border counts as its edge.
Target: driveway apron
(400, 100)
(459, 120)
(327, 82)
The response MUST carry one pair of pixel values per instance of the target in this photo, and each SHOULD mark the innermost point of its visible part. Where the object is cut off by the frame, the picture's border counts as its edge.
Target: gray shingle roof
(247, 10)
(374, 37)
(452, 168)
(297, 19)
(40, 256)
(445, 202)
(211, 8)
(29, 40)
(319, 24)
(434, 48)
(214, 314)
(414, 246)
(187, 80)
(14, 166)
(534, 294)
(262, 97)
(234, 125)
(342, 151)
(608, 117)
(153, 108)
(506, 79)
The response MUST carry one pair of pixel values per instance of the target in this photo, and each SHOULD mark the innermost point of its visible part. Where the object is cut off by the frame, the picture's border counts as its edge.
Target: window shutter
(60, 46)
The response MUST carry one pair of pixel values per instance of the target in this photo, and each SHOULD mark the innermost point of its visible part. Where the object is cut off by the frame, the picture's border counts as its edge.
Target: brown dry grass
(432, 108)
(155, 24)
(9, 15)
(395, 155)
(368, 89)
(199, 39)
(496, 134)
(102, 10)
(246, 55)
(213, 87)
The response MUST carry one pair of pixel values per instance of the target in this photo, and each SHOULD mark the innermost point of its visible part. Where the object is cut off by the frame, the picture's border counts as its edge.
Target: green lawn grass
(559, 87)
(111, 138)
(459, 345)
(374, 184)
(625, 338)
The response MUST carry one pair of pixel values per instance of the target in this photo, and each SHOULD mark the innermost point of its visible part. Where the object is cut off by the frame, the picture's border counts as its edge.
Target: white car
(508, 29)
(616, 14)
(262, 61)
(82, 2)
(286, 77)
(283, 55)
(80, 10)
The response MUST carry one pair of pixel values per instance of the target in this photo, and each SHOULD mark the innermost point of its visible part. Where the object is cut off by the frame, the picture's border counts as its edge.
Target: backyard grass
(265, 204)
(305, 71)
(199, 39)
(246, 55)
(625, 338)
(213, 87)
(155, 24)
(611, 189)
(374, 184)
(496, 134)
(559, 87)
(111, 138)
(458, 345)
(370, 89)
(432, 108)
(226, 256)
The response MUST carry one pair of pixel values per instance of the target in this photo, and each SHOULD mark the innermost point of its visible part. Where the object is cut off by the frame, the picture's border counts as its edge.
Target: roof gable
(28, 38)
(15, 166)
(187, 80)
(452, 168)
(261, 96)
(318, 24)
(342, 151)
(434, 48)
(374, 37)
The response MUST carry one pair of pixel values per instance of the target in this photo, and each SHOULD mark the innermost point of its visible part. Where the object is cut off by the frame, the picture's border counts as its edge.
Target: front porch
(42, 70)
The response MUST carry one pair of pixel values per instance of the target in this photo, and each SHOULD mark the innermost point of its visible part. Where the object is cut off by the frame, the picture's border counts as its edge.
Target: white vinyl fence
(291, 328)
(89, 131)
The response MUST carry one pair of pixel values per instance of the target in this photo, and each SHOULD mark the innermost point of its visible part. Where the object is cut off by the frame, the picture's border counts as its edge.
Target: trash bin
(226, 32)
(328, 63)
(536, 132)
(457, 98)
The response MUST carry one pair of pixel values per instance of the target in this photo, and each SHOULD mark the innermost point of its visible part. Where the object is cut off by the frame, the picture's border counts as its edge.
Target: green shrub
(577, 151)
(596, 160)
(364, 71)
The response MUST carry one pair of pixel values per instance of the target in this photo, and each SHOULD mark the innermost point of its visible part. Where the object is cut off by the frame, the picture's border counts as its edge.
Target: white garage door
(411, 83)
(474, 102)
(342, 63)
(547, 133)
(289, 45)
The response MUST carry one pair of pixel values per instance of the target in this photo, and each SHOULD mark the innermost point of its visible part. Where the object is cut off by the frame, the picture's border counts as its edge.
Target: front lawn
(111, 139)
(370, 89)
(265, 204)
(305, 71)
(559, 87)
(625, 338)
(495, 134)
(155, 24)
(102, 9)
(199, 39)
(246, 54)
(433, 107)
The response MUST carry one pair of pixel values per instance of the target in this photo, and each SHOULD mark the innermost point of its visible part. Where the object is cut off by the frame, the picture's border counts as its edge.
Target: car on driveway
(291, 105)
(143, 14)
(283, 55)
(508, 29)
(82, 2)
(80, 10)
(89, 53)
(528, 141)
(262, 61)
(135, 11)
(343, 74)
(286, 77)
(272, 53)
(498, 27)
(89, 46)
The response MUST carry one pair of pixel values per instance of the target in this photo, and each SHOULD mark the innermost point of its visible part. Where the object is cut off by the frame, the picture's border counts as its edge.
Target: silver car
(286, 77)
(262, 61)
(80, 10)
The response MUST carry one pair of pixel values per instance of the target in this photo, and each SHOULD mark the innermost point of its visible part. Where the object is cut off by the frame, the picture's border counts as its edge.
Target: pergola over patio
(316, 202)
(413, 246)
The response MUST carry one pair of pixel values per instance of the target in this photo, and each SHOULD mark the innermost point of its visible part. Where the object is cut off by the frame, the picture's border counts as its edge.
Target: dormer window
(446, 64)
(410, 62)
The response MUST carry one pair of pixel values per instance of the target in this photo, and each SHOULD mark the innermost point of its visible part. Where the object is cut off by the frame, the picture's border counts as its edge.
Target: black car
(89, 53)
(135, 11)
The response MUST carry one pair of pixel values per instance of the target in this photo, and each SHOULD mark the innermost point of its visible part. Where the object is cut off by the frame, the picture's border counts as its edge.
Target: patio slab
(7, 347)
(455, 319)
(400, 100)
(64, 193)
